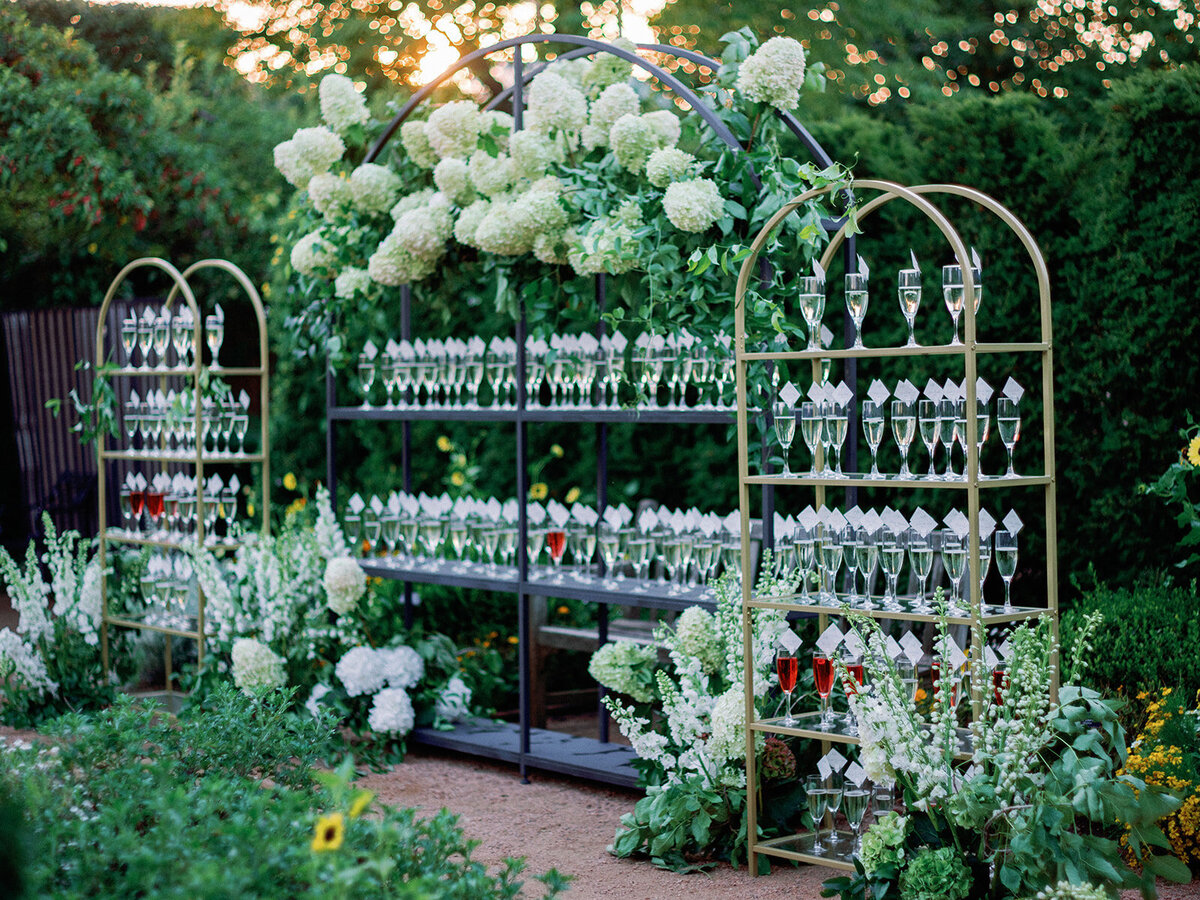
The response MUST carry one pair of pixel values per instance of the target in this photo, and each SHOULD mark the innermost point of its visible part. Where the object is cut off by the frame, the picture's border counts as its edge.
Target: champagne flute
(610, 551)
(907, 672)
(1008, 423)
(850, 561)
(891, 559)
(556, 545)
(866, 552)
(946, 416)
(837, 425)
(823, 680)
(910, 300)
(806, 557)
(162, 338)
(833, 802)
(883, 797)
(181, 335)
(954, 558)
(814, 791)
(812, 430)
(856, 303)
(903, 430)
(982, 427)
(214, 334)
(126, 495)
(1006, 563)
(873, 426)
(854, 805)
(811, 290)
(787, 667)
(145, 340)
(854, 668)
(920, 554)
(930, 424)
(985, 563)
(954, 295)
(831, 561)
(785, 429)
(366, 378)
(129, 338)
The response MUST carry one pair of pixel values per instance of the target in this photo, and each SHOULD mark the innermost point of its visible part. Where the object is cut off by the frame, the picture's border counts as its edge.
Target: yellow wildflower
(920, 695)
(556, 450)
(458, 479)
(360, 803)
(250, 509)
(329, 833)
(563, 610)
(513, 639)
(297, 505)
(1193, 451)
(573, 495)
(443, 444)
(289, 481)
(539, 491)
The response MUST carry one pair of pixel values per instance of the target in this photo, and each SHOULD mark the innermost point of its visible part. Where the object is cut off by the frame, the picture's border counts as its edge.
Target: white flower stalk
(313, 703)
(391, 712)
(310, 152)
(453, 129)
(693, 205)
(330, 538)
(345, 583)
(553, 104)
(312, 252)
(22, 663)
(342, 106)
(453, 703)
(415, 139)
(774, 74)
(256, 666)
(28, 592)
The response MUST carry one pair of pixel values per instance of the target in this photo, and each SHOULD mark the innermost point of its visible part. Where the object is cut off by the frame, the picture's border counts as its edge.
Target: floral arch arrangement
(594, 173)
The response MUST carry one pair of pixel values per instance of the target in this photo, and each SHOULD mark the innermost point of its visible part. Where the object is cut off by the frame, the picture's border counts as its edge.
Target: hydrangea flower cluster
(309, 152)
(1064, 890)
(352, 282)
(312, 252)
(374, 188)
(256, 666)
(342, 106)
(883, 842)
(392, 712)
(330, 194)
(613, 666)
(693, 205)
(345, 583)
(774, 74)
(454, 702)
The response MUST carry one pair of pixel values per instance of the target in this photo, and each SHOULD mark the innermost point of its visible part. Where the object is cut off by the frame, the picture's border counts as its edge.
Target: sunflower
(539, 490)
(289, 481)
(443, 444)
(1193, 451)
(329, 833)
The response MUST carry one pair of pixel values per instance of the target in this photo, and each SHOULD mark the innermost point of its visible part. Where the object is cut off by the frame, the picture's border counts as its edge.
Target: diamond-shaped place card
(179, 483)
(914, 651)
(826, 337)
(987, 524)
(913, 256)
(558, 513)
(356, 504)
(907, 392)
(376, 505)
(393, 503)
(823, 768)
(626, 513)
(1012, 522)
(863, 269)
(954, 654)
(648, 520)
(896, 521)
(790, 641)
(975, 260)
(1012, 390)
(870, 521)
(854, 643)
(733, 522)
(836, 520)
(957, 522)
(933, 390)
(856, 773)
(535, 512)
(842, 393)
(818, 392)
(588, 344)
(922, 523)
(215, 484)
(779, 523)
(892, 646)
(370, 351)
(879, 392)
(818, 271)
(828, 642)
(854, 516)
(835, 760)
(983, 390)
(220, 313)
(790, 394)
(1004, 651)
(951, 390)
(808, 518)
(990, 659)
(134, 398)
(612, 517)
(391, 349)
(619, 343)
(234, 484)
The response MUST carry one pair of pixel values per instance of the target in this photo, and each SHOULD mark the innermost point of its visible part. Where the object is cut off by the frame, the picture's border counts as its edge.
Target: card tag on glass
(1013, 522)
(863, 269)
(879, 392)
(990, 659)
(951, 390)
(1004, 651)
(913, 649)
(823, 768)
(854, 516)
(983, 390)
(818, 392)
(842, 393)
(957, 522)
(790, 394)
(370, 351)
(648, 520)
(954, 654)
(856, 774)
(1012, 390)
(835, 759)
(854, 643)
(826, 336)
(907, 392)
(892, 647)
(922, 522)
(828, 642)
(987, 524)
(809, 518)
(933, 390)
(790, 641)
(355, 504)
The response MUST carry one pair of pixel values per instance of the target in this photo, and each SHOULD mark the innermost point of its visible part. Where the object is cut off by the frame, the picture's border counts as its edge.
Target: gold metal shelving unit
(163, 457)
(797, 847)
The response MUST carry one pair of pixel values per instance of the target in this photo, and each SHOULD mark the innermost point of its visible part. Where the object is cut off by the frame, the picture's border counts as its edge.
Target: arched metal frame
(970, 350)
(514, 94)
(180, 287)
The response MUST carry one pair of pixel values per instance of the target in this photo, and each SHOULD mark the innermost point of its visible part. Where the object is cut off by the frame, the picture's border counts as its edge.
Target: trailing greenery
(223, 803)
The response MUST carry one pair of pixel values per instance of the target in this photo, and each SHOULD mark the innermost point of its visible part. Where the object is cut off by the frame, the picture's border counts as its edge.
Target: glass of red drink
(788, 668)
(556, 543)
(823, 678)
(854, 681)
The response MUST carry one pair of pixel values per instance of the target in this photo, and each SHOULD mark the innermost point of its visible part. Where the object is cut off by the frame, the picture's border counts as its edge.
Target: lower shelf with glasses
(808, 726)
(802, 847)
(549, 751)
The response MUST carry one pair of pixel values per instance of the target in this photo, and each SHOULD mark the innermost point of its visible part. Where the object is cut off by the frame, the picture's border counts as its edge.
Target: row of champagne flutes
(167, 583)
(164, 507)
(829, 794)
(160, 339)
(689, 547)
(163, 424)
(940, 419)
(822, 544)
(810, 291)
(675, 371)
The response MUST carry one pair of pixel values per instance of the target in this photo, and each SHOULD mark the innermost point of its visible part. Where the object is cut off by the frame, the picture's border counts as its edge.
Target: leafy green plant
(1176, 485)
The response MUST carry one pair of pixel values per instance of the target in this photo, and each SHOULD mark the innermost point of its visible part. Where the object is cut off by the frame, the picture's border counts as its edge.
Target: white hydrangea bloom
(774, 74)
(608, 69)
(615, 101)
(532, 153)
(633, 139)
(423, 232)
(256, 666)
(696, 636)
(552, 103)
(342, 107)
(391, 712)
(392, 265)
(693, 205)
(416, 144)
(330, 194)
(453, 129)
(311, 151)
(451, 177)
(351, 282)
(497, 125)
(594, 249)
(505, 229)
(360, 671)
(665, 125)
(491, 175)
(728, 738)
(312, 252)
(612, 665)
(20, 660)
(401, 666)
(573, 71)
(331, 540)
(412, 201)
(551, 248)
(313, 703)
(454, 701)
(345, 583)
(468, 222)
(374, 188)
(667, 165)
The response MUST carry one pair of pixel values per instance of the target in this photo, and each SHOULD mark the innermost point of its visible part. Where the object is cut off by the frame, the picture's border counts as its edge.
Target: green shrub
(1148, 640)
(221, 804)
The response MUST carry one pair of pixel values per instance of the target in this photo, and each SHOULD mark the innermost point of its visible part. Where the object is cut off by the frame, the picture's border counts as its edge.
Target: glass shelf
(806, 727)
(660, 415)
(986, 482)
(180, 629)
(791, 603)
(798, 847)
(180, 456)
(121, 536)
(231, 371)
(863, 352)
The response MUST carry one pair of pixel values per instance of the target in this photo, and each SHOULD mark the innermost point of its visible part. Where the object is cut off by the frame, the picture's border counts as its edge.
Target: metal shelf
(646, 416)
(877, 352)
(120, 536)
(180, 456)
(798, 848)
(791, 603)
(232, 371)
(807, 728)
(986, 482)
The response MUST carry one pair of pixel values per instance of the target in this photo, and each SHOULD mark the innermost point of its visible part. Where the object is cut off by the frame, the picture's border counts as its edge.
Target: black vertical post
(601, 505)
(523, 630)
(406, 437)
